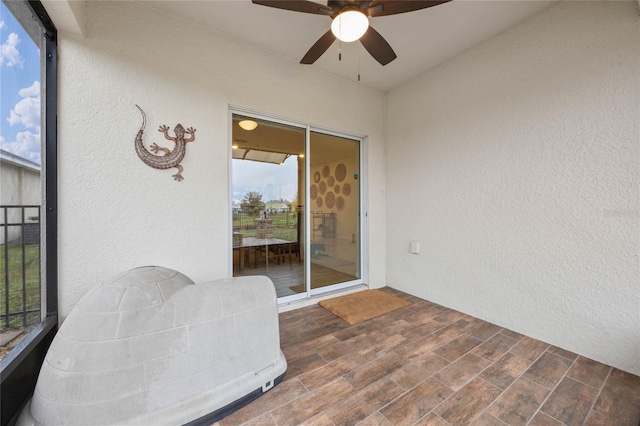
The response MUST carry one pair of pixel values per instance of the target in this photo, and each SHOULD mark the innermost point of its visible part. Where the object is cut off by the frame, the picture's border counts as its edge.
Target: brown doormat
(358, 307)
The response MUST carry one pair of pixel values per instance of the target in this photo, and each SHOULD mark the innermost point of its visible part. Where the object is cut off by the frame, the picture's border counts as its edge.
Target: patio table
(253, 243)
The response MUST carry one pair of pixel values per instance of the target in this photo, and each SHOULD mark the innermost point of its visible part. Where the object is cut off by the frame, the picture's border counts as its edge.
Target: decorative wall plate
(336, 189)
(316, 177)
(340, 203)
(319, 201)
(326, 171)
(313, 191)
(322, 187)
(330, 200)
(346, 189)
(330, 181)
(341, 172)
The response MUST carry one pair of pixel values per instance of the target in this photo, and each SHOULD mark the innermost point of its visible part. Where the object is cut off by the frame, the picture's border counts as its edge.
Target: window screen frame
(19, 369)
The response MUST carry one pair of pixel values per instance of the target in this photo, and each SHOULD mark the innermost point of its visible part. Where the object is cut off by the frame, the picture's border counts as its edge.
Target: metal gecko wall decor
(170, 158)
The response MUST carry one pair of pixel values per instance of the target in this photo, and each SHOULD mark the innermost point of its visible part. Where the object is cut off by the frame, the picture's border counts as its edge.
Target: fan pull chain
(340, 51)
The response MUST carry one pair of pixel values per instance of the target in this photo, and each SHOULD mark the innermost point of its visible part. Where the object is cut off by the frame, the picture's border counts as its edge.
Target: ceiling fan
(348, 14)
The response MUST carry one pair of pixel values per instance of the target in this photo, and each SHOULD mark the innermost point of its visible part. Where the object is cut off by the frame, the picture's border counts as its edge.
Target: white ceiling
(422, 39)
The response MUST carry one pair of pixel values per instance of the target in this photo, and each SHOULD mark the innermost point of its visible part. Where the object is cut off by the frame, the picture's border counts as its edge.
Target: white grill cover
(151, 347)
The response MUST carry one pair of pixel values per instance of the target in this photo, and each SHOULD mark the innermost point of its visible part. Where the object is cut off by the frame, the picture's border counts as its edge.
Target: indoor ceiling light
(350, 25)
(248, 124)
(234, 146)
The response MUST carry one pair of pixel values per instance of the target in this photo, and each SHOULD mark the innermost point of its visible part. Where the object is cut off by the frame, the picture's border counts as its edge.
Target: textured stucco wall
(116, 213)
(19, 186)
(516, 165)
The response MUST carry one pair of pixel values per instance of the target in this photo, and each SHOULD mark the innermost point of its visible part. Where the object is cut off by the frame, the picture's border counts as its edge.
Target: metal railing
(281, 219)
(20, 299)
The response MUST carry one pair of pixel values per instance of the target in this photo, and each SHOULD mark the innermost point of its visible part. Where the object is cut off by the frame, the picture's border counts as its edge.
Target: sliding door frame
(362, 183)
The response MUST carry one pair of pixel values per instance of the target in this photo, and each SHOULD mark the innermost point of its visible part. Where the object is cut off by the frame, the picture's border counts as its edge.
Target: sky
(19, 89)
(273, 181)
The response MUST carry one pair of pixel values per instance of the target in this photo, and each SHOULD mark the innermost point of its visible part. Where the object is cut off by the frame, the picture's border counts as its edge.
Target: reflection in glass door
(334, 195)
(268, 175)
(302, 231)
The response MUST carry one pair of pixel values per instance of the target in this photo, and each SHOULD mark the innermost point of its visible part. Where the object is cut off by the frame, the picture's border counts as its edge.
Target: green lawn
(32, 284)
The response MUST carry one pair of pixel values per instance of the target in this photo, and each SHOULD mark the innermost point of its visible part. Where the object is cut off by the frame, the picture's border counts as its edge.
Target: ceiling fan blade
(385, 8)
(297, 6)
(318, 48)
(377, 46)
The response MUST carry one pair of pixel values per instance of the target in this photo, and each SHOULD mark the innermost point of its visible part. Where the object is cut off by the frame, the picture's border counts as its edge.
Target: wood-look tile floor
(429, 365)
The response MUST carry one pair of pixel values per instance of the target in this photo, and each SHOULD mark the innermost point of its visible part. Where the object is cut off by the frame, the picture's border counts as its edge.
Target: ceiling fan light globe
(349, 25)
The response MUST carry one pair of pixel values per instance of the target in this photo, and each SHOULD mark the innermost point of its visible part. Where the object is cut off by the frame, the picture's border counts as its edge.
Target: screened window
(28, 287)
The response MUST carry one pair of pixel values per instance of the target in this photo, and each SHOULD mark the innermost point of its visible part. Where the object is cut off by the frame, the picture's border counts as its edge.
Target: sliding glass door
(334, 196)
(268, 180)
(296, 209)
